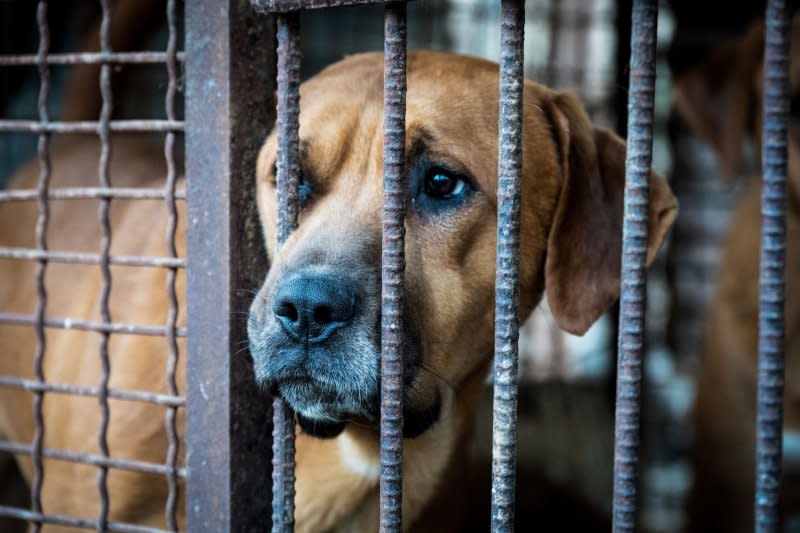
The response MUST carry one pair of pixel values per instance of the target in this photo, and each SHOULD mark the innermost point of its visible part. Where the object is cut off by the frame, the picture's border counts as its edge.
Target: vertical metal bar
(104, 131)
(393, 267)
(229, 110)
(634, 254)
(288, 171)
(41, 243)
(506, 348)
(170, 421)
(771, 285)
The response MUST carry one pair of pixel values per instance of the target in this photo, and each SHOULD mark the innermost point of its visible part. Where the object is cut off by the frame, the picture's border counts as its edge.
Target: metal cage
(229, 55)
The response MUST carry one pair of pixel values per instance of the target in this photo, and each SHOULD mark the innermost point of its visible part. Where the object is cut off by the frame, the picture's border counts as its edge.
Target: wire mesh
(39, 384)
(288, 170)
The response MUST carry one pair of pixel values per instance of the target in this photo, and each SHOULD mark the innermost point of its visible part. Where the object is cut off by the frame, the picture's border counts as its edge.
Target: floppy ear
(584, 248)
(717, 97)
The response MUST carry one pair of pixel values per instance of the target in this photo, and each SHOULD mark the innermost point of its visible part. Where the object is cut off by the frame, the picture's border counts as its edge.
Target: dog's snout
(311, 307)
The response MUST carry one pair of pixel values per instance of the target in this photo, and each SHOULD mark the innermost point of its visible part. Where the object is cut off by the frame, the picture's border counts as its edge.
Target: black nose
(312, 307)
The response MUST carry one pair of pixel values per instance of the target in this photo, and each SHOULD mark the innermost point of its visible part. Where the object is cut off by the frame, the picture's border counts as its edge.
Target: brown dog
(721, 98)
(314, 325)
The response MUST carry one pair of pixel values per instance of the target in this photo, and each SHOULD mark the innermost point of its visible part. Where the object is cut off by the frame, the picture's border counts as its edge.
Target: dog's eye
(440, 184)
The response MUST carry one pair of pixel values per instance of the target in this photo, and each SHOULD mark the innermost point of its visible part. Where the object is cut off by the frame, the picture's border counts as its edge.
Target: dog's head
(315, 324)
(721, 98)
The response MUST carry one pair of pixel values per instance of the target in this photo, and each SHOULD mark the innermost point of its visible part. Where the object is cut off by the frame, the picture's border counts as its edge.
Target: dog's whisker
(241, 351)
(254, 292)
(422, 365)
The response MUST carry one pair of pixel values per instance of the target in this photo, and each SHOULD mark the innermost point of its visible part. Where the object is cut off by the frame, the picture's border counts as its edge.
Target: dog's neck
(338, 479)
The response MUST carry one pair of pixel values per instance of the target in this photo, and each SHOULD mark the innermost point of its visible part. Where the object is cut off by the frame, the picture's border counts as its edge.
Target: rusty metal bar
(506, 347)
(771, 275)
(393, 266)
(58, 388)
(69, 521)
(286, 6)
(41, 266)
(229, 110)
(170, 419)
(87, 325)
(634, 261)
(87, 193)
(138, 126)
(104, 217)
(80, 258)
(90, 459)
(84, 58)
(288, 172)
(287, 125)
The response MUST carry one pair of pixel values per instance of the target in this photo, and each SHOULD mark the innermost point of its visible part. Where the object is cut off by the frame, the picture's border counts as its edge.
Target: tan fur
(450, 266)
(449, 280)
(138, 296)
(722, 98)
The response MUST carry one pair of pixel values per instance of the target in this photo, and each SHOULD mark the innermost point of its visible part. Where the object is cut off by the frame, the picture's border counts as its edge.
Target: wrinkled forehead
(452, 106)
(451, 115)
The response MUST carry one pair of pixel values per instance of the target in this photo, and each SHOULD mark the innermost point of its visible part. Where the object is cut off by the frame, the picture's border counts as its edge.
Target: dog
(314, 324)
(721, 100)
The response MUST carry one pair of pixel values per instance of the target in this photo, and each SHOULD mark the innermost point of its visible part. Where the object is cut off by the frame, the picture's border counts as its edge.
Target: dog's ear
(584, 247)
(717, 97)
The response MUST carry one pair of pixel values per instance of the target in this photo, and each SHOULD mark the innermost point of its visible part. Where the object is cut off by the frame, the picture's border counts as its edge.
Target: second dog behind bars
(721, 98)
(314, 326)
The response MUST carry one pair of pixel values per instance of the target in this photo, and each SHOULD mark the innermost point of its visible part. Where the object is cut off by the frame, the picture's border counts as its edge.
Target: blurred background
(567, 398)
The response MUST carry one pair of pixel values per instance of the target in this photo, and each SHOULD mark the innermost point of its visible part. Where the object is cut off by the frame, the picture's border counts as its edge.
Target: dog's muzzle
(315, 342)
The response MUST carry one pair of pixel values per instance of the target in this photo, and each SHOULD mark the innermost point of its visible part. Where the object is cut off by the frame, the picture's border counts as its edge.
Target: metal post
(41, 244)
(229, 109)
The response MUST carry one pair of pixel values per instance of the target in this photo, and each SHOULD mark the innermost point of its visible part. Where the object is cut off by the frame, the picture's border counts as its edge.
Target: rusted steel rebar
(506, 347)
(633, 275)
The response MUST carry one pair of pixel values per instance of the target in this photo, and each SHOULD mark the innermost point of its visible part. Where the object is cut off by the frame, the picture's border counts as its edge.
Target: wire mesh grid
(40, 321)
(642, 72)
